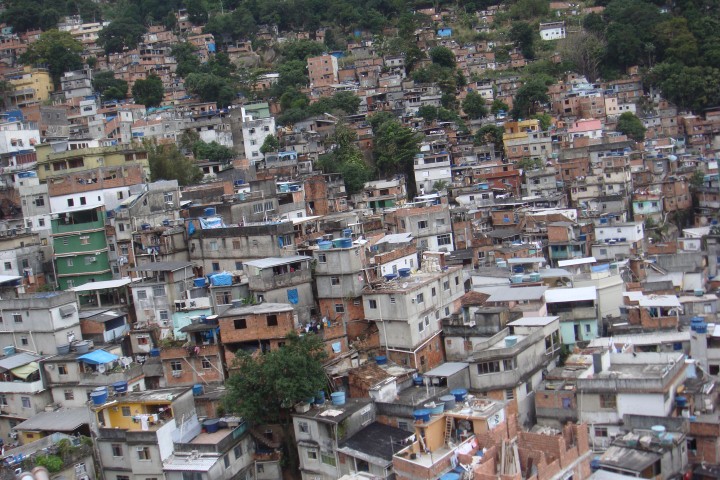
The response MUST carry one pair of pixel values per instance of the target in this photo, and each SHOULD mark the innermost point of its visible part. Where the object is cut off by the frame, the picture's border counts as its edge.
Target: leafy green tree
(213, 152)
(527, 9)
(186, 57)
(211, 88)
(529, 97)
(197, 11)
(58, 50)
(490, 133)
(428, 112)
(168, 163)
(302, 49)
(442, 56)
(395, 147)
(499, 106)
(629, 124)
(694, 88)
(270, 144)
(545, 120)
(120, 34)
(474, 105)
(109, 87)
(585, 51)
(697, 179)
(347, 159)
(524, 36)
(148, 92)
(263, 389)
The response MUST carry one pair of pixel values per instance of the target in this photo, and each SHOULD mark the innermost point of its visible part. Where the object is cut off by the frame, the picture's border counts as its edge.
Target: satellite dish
(101, 368)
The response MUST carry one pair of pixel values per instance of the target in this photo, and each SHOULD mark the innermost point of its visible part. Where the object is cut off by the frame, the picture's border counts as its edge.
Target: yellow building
(32, 86)
(51, 163)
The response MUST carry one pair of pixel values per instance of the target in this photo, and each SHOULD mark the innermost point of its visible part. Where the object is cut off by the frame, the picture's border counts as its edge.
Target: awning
(26, 370)
(98, 357)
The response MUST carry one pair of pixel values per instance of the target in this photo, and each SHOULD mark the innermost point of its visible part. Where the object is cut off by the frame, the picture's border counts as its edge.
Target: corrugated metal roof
(65, 420)
(522, 261)
(276, 261)
(161, 267)
(447, 369)
(17, 360)
(577, 294)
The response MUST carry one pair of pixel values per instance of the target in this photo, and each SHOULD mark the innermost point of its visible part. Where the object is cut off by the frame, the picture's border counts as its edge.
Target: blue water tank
(381, 360)
(325, 245)
(210, 211)
(404, 272)
(459, 393)
(197, 389)
(338, 398)
(347, 233)
(422, 414)
(99, 396)
(390, 276)
(199, 282)
(320, 397)
(346, 242)
(155, 352)
(681, 402)
(121, 386)
(212, 425)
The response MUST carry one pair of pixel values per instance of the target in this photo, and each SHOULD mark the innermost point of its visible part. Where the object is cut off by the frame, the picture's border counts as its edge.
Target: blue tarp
(98, 357)
(223, 279)
(191, 228)
(293, 296)
(211, 222)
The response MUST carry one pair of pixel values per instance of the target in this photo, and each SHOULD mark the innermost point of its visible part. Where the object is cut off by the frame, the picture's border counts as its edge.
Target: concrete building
(578, 312)
(429, 225)
(257, 123)
(80, 245)
(22, 391)
(552, 30)
(40, 322)
(408, 309)
(283, 280)
(260, 327)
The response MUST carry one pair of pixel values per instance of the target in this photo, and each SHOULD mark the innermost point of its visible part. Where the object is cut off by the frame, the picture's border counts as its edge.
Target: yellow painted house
(51, 163)
(31, 86)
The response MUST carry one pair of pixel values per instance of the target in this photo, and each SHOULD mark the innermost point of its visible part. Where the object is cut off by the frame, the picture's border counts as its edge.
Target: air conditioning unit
(177, 373)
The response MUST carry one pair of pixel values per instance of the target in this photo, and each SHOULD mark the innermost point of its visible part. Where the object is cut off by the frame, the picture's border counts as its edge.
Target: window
(240, 323)
(237, 451)
(226, 461)
(83, 201)
(334, 280)
(163, 314)
(439, 222)
(509, 364)
(3, 399)
(24, 341)
(17, 317)
(69, 262)
(206, 365)
(117, 450)
(159, 291)
(312, 454)
(392, 300)
(457, 281)
(143, 453)
(215, 266)
(303, 427)
(25, 402)
(403, 425)
(422, 224)
(509, 394)
(443, 240)
(70, 202)
(327, 459)
(121, 227)
(40, 201)
(8, 265)
(601, 432)
(89, 260)
(488, 367)
(176, 366)
(126, 411)
(213, 246)
(608, 400)
(119, 195)
(41, 222)
(272, 320)
(260, 468)
(446, 285)
(421, 326)
(62, 369)
(420, 298)
(528, 387)
(168, 197)
(434, 292)
(141, 294)
(238, 265)
(322, 258)
(339, 308)
(372, 304)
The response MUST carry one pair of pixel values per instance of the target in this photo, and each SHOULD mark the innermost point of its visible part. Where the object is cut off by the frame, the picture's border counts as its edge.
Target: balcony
(117, 374)
(579, 313)
(21, 387)
(188, 352)
(271, 282)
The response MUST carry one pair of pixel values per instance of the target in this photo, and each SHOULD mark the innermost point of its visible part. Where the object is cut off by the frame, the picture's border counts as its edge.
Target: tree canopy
(58, 50)
(629, 124)
(213, 152)
(109, 87)
(346, 158)
(395, 147)
(263, 388)
(148, 92)
(168, 163)
(474, 105)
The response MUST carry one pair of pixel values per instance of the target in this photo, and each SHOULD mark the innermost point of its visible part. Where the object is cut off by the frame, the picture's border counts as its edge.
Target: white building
(257, 124)
(552, 30)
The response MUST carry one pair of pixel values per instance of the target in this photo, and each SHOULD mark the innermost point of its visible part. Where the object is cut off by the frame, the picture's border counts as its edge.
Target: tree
(524, 36)
(428, 112)
(197, 12)
(211, 88)
(499, 106)
(186, 57)
(213, 152)
(697, 179)
(109, 87)
(442, 56)
(345, 158)
(474, 105)
(490, 133)
(531, 95)
(395, 147)
(545, 120)
(148, 92)
(58, 50)
(168, 163)
(629, 124)
(263, 388)
(585, 51)
(270, 144)
(120, 34)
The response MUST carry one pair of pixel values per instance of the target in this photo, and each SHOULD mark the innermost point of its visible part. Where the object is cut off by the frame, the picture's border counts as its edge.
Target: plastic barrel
(422, 414)
(212, 425)
(338, 398)
(449, 401)
(120, 387)
(320, 397)
(197, 389)
(381, 360)
(459, 394)
(99, 397)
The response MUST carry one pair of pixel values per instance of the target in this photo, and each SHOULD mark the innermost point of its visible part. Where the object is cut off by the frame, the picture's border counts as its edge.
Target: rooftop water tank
(9, 350)
(404, 272)
(510, 340)
(210, 212)
(325, 245)
(381, 360)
